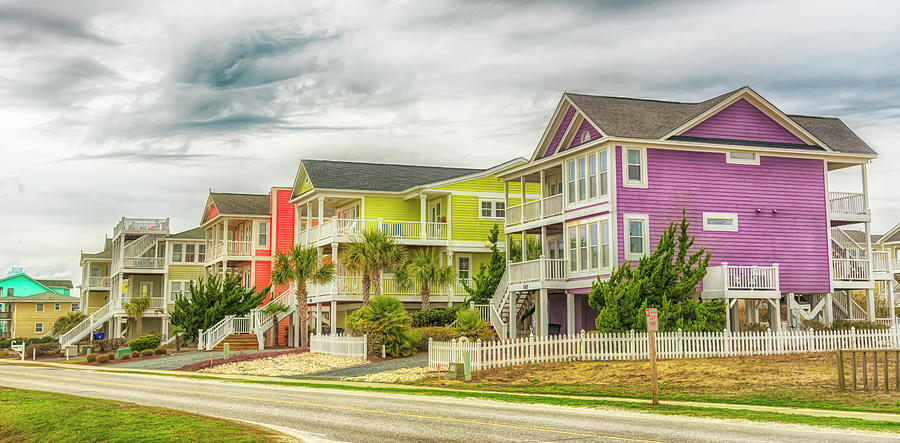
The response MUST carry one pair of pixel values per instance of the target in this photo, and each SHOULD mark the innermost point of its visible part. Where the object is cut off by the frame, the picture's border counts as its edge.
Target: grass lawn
(800, 380)
(37, 416)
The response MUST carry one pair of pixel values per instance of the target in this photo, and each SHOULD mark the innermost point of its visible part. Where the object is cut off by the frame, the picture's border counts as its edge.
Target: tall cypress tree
(667, 280)
(212, 299)
(489, 275)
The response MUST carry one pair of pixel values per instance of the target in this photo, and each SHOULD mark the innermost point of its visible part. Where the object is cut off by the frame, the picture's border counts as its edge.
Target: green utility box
(121, 351)
(226, 351)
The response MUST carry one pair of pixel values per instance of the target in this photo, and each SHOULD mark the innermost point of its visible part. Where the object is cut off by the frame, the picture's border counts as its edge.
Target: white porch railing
(850, 269)
(237, 248)
(847, 203)
(341, 345)
(142, 226)
(484, 310)
(881, 261)
(537, 270)
(669, 345)
(534, 210)
(231, 324)
(88, 325)
(98, 282)
(399, 229)
(751, 278)
(143, 262)
(155, 302)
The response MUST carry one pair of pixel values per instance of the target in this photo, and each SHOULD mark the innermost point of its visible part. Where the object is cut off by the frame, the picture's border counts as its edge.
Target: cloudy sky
(111, 109)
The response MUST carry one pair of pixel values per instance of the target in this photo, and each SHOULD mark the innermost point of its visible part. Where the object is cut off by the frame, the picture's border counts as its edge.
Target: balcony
(847, 207)
(146, 263)
(546, 208)
(349, 288)
(883, 266)
(155, 303)
(5, 315)
(141, 226)
(534, 274)
(341, 230)
(98, 282)
(730, 281)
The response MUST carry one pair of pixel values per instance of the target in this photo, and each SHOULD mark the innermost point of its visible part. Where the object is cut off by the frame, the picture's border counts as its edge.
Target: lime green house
(450, 209)
(185, 259)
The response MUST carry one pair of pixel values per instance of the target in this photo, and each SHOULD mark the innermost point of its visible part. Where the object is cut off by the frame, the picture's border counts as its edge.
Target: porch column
(752, 307)
(524, 245)
(870, 304)
(891, 300)
(512, 315)
(829, 308)
(545, 247)
(332, 318)
(423, 214)
(308, 219)
(318, 318)
(774, 314)
(570, 313)
(522, 188)
(451, 289)
(505, 195)
(337, 265)
(543, 308)
(727, 314)
(735, 316)
(321, 213)
(541, 185)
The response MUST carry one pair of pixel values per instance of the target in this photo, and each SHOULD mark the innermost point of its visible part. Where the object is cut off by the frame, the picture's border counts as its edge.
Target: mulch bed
(193, 367)
(149, 357)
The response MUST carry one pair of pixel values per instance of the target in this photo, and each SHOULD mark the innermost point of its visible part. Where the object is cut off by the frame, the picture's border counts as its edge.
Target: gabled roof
(105, 254)
(42, 297)
(655, 119)
(386, 177)
(197, 233)
(891, 236)
(57, 283)
(22, 274)
(240, 204)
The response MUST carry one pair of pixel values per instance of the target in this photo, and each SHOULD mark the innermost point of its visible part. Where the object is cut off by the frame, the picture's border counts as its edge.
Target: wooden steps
(239, 342)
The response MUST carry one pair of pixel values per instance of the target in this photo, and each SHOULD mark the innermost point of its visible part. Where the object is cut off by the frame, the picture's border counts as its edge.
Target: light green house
(185, 258)
(22, 304)
(451, 209)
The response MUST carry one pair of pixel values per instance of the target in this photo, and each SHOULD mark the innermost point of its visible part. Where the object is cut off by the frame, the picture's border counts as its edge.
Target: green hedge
(436, 333)
(433, 317)
(144, 342)
(42, 349)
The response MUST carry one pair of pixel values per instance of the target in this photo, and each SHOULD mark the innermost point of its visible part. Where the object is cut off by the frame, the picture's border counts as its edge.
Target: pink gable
(742, 121)
(557, 138)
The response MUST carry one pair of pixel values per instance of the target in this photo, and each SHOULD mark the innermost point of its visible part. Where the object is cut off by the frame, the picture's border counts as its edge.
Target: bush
(843, 324)
(433, 317)
(144, 342)
(39, 340)
(436, 333)
(102, 358)
(42, 349)
(355, 321)
(385, 315)
(469, 323)
(125, 356)
(90, 358)
(815, 325)
(146, 352)
(160, 351)
(108, 345)
(757, 327)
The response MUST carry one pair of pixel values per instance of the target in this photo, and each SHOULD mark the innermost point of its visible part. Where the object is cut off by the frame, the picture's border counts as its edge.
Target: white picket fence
(339, 344)
(669, 345)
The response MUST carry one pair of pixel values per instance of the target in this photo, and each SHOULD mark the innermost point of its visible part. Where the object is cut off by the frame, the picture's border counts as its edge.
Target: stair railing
(88, 324)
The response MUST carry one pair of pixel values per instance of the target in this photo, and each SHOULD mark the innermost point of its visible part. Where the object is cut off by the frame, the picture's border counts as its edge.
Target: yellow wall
(186, 272)
(26, 316)
(96, 300)
(391, 208)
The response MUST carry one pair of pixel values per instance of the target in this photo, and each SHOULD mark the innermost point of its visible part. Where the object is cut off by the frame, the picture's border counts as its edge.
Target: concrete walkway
(181, 359)
(876, 416)
(372, 368)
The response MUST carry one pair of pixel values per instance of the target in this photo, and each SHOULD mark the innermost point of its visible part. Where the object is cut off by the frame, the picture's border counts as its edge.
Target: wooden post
(651, 336)
(886, 384)
(853, 354)
(865, 372)
(840, 368)
(874, 370)
(897, 370)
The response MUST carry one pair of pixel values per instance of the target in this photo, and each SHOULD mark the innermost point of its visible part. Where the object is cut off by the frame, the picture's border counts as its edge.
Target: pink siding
(557, 138)
(284, 220)
(742, 121)
(796, 238)
(586, 126)
(263, 275)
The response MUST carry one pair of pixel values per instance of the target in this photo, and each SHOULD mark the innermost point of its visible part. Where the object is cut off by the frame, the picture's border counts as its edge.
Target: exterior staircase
(499, 310)
(92, 322)
(263, 322)
(238, 342)
(140, 246)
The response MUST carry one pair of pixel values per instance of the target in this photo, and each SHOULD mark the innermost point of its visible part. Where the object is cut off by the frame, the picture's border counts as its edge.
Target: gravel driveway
(388, 365)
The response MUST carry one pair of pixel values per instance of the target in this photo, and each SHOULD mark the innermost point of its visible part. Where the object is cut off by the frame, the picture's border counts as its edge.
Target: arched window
(586, 137)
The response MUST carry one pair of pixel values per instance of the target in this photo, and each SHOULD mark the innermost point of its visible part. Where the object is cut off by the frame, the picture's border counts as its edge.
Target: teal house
(18, 285)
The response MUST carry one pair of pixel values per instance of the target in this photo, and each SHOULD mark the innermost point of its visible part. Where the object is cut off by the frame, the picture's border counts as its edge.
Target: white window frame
(632, 183)
(259, 231)
(471, 265)
(742, 161)
(74, 307)
(493, 202)
(575, 195)
(733, 227)
(57, 306)
(39, 307)
(39, 327)
(626, 235)
(201, 256)
(180, 253)
(575, 255)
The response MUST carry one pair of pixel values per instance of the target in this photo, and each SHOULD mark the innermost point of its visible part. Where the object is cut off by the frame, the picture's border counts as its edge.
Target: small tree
(135, 308)
(274, 310)
(667, 280)
(423, 268)
(177, 331)
(489, 275)
(212, 299)
(66, 322)
(300, 265)
(369, 255)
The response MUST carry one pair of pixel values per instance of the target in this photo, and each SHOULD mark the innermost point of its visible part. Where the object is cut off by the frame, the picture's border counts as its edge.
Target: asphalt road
(336, 415)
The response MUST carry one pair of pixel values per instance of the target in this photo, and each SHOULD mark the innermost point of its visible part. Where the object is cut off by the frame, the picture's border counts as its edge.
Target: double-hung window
(604, 174)
(582, 179)
(75, 307)
(263, 234)
(491, 209)
(587, 177)
(175, 293)
(57, 306)
(38, 327)
(573, 249)
(571, 181)
(201, 253)
(39, 307)
(634, 165)
(637, 241)
(189, 253)
(464, 267)
(177, 256)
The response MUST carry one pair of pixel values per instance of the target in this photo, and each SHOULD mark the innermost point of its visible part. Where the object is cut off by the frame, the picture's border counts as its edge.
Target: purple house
(615, 172)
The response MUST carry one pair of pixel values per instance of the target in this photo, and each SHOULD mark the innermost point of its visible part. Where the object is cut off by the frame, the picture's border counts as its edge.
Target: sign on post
(652, 328)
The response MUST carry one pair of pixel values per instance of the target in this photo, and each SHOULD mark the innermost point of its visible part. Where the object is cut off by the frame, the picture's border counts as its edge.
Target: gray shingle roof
(44, 296)
(197, 233)
(57, 283)
(328, 174)
(653, 119)
(240, 204)
(105, 254)
(895, 237)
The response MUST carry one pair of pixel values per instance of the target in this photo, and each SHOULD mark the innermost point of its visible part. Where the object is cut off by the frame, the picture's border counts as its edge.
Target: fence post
(581, 352)
(430, 353)
(853, 342)
(477, 357)
(680, 335)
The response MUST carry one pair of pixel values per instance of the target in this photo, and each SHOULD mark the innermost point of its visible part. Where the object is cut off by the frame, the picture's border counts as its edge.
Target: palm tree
(66, 322)
(300, 265)
(177, 331)
(423, 267)
(369, 255)
(135, 308)
(274, 310)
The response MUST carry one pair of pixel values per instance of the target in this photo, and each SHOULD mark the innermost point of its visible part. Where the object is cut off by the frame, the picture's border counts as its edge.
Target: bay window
(589, 246)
